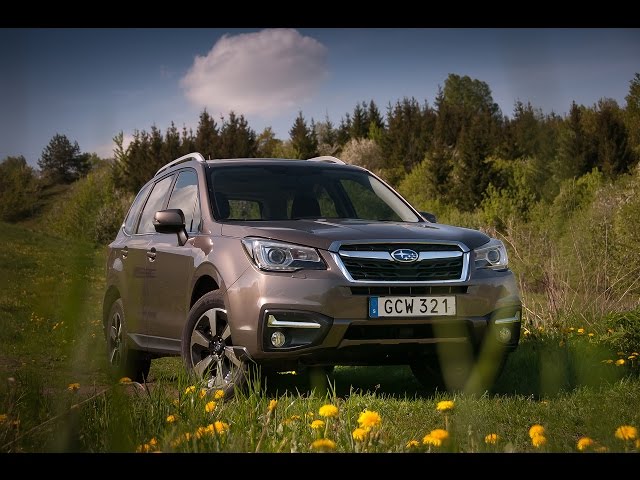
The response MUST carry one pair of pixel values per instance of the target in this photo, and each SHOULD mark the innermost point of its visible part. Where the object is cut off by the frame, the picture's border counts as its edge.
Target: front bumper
(335, 328)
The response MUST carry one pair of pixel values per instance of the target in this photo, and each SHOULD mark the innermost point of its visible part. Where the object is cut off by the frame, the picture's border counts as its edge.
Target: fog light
(504, 335)
(278, 339)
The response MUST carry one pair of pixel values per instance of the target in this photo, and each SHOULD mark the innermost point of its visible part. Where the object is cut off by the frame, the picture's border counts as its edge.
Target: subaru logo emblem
(404, 255)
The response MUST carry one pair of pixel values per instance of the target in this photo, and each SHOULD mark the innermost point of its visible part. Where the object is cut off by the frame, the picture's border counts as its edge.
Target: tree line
(459, 150)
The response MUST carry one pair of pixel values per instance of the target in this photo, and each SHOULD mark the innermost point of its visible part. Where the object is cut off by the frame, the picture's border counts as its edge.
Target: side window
(155, 203)
(185, 197)
(134, 211)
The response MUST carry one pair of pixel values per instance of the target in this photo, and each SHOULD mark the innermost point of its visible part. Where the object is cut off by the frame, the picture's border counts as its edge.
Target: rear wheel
(207, 347)
(123, 360)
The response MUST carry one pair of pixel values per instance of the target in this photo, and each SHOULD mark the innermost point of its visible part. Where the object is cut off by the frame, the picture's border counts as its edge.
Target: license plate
(411, 306)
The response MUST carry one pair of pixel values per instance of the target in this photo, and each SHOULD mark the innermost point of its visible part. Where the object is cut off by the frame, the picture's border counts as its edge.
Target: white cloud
(265, 73)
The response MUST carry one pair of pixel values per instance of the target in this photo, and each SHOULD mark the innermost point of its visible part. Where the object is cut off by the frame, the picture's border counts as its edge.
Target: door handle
(124, 252)
(151, 254)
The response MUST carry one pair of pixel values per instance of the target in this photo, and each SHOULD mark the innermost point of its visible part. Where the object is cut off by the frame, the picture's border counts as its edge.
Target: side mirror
(171, 221)
(429, 216)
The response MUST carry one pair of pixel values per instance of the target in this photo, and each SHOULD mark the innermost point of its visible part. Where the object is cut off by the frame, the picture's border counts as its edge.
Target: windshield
(282, 192)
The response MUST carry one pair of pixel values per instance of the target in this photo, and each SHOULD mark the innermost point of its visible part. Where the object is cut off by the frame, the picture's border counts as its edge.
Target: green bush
(92, 210)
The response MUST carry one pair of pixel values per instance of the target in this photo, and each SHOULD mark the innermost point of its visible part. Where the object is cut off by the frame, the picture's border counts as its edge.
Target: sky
(91, 83)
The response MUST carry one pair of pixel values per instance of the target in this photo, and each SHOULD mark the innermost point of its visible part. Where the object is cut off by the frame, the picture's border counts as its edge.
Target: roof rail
(185, 158)
(327, 159)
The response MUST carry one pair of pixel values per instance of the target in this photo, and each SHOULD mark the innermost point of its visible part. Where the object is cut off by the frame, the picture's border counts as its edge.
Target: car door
(174, 263)
(142, 262)
(126, 250)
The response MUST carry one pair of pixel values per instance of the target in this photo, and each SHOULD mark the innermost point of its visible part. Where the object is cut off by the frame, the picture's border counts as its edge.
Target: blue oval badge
(404, 255)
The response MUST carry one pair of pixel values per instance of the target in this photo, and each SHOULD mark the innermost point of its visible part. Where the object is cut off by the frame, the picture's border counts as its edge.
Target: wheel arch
(205, 283)
(111, 296)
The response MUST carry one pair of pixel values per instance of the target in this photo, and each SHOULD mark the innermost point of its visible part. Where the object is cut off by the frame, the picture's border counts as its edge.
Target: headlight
(282, 257)
(492, 255)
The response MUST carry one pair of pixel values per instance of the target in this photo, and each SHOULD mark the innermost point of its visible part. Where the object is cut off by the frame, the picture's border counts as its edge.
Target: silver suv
(286, 264)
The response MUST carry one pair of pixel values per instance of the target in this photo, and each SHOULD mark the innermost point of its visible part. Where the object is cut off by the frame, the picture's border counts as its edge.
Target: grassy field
(56, 397)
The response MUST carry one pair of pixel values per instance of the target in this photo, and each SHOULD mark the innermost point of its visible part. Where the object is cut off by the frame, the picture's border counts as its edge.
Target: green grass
(51, 336)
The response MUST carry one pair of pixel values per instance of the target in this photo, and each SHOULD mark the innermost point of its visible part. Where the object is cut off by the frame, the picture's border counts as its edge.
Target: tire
(123, 360)
(207, 346)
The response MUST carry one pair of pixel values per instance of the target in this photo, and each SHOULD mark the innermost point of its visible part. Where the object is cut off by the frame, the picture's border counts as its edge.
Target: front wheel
(207, 347)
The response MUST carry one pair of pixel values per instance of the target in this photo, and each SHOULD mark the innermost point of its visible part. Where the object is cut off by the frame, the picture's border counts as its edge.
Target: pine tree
(207, 138)
(187, 142)
(62, 162)
(303, 139)
(237, 139)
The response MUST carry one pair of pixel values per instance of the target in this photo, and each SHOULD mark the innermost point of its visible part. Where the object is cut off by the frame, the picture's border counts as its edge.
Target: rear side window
(155, 203)
(185, 197)
(134, 211)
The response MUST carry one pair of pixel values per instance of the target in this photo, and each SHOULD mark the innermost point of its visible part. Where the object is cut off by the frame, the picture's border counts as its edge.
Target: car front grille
(374, 263)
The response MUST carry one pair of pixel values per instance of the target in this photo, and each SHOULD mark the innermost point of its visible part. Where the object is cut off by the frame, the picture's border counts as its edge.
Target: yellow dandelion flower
(632, 357)
(73, 387)
(626, 432)
(200, 432)
(220, 427)
(153, 442)
(538, 440)
(412, 444)
(171, 418)
(328, 411)
(440, 434)
(590, 334)
(125, 381)
(323, 445)
(210, 406)
(536, 430)
(580, 331)
(369, 419)
(430, 440)
(272, 405)
(620, 362)
(585, 443)
(146, 448)
(219, 394)
(445, 406)
(360, 434)
(635, 354)
(3, 417)
(190, 389)
(608, 361)
(571, 329)
(317, 424)
(491, 439)
(202, 393)
(187, 436)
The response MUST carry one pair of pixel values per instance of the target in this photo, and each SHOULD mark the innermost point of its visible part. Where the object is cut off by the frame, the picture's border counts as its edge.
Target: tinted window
(295, 192)
(185, 197)
(155, 203)
(134, 211)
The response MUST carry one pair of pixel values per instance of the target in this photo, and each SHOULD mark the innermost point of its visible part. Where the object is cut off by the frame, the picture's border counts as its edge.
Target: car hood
(323, 233)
